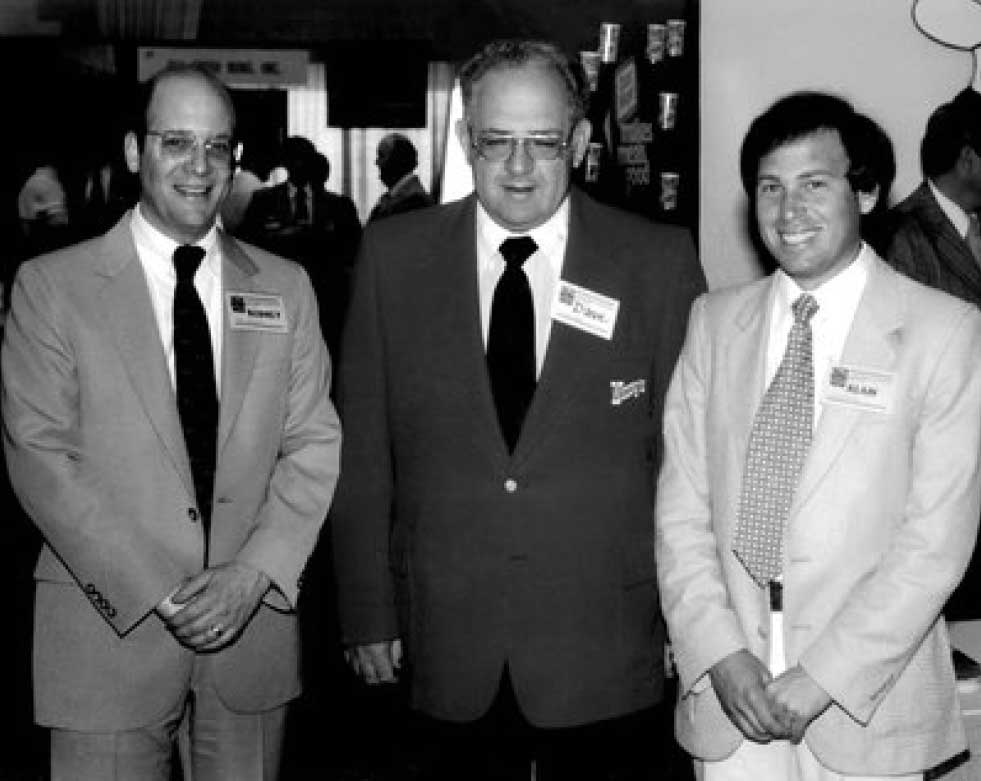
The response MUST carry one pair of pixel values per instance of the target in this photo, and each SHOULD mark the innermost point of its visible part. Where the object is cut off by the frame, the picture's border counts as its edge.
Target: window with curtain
(351, 151)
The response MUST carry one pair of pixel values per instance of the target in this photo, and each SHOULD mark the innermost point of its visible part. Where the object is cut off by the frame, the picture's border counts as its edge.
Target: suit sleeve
(861, 653)
(361, 517)
(702, 626)
(65, 497)
(305, 474)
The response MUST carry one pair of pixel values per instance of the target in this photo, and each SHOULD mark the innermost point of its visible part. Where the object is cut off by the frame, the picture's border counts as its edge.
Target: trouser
(215, 743)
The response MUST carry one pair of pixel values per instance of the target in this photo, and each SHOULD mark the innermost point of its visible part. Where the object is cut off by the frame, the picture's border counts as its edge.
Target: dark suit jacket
(541, 560)
(925, 246)
(326, 248)
(411, 195)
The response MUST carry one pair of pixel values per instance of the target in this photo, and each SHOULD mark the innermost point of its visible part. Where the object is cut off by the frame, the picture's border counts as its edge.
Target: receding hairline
(191, 74)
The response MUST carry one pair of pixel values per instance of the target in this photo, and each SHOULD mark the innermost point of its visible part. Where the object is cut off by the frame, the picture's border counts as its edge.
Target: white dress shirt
(156, 252)
(543, 270)
(959, 218)
(837, 301)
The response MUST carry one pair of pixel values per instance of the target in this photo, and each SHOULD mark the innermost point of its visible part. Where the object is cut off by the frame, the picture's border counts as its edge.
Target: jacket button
(510, 485)
(192, 514)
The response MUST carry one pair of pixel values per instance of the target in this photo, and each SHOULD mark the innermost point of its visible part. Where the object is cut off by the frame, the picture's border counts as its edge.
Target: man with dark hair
(935, 235)
(300, 220)
(503, 368)
(820, 490)
(396, 161)
(168, 429)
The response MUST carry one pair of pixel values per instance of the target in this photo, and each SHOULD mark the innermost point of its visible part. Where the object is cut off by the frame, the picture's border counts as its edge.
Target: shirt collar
(549, 236)
(959, 218)
(160, 247)
(840, 293)
(401, 183)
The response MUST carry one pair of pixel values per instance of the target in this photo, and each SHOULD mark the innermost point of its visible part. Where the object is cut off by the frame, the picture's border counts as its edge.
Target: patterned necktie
(197, 396)
(511, 339)
(974, 238)
(778, 444)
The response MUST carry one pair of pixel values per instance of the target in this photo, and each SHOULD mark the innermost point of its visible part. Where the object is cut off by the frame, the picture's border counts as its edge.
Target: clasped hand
(765, 708)
(207, 612)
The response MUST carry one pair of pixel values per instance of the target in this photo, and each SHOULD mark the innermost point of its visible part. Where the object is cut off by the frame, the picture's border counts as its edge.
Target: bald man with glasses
(501, 381)
(168, 429)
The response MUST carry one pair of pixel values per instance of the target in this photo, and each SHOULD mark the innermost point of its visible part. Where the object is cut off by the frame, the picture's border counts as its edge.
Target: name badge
(584, 309)
(256, 312)
(871, 390)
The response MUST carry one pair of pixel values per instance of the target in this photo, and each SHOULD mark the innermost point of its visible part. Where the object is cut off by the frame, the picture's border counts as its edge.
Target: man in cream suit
(817, 652)
(175, 541)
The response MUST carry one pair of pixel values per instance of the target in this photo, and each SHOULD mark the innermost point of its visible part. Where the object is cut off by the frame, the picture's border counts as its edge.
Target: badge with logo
(871, 390)
(256, 312)
(585, 309)
(621, 391)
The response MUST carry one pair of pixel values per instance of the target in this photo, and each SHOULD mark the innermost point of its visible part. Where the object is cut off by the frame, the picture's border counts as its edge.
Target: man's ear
(580, 140)
(868, 200)
(131, 151)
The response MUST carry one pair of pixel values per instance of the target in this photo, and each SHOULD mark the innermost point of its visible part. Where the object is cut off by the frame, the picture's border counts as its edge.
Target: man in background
(396, 161)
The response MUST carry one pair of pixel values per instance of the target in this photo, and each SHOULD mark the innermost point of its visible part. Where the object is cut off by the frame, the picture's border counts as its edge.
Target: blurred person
(167, 427)
(501, 380)
(396, 161)
(300, 220)
(819, 495)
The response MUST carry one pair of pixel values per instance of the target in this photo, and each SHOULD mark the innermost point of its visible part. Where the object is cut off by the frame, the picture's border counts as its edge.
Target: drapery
(148, 19)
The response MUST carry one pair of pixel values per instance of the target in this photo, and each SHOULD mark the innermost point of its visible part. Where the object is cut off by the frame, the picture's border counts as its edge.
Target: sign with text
(235, 67)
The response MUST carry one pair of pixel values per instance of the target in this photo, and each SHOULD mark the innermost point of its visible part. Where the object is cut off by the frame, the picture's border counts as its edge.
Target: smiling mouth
(797, 238)
(192, 191)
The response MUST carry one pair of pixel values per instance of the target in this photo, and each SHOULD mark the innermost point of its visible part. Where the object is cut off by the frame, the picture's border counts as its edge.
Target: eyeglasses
(498, 147)
(179, 145)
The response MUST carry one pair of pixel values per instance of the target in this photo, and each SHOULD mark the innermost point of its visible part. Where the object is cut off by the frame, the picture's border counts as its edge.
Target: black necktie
(301, 213)
(511, 340)
(197, 397)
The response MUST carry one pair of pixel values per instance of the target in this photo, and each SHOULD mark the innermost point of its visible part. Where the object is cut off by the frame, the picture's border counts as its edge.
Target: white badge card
(585, 309)
(256, 312)
(871, 390)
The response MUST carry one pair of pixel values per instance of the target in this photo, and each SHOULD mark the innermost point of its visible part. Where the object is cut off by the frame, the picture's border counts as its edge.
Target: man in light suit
(166, 587)
(505, 542)
(836, 664)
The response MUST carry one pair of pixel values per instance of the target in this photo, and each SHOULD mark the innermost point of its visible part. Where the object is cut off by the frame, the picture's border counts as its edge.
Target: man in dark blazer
(302, 221)
(176, 524)
(931, 233)
(497, 529)
(396, 161)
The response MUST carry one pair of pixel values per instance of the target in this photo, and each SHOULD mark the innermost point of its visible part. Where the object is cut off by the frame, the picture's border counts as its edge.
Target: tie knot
(804, 308)
(517, 249)
(187, 258)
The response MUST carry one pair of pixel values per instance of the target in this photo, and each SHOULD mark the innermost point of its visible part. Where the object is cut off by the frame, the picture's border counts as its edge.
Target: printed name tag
(256, 312)
(583, 309)
(867, 389)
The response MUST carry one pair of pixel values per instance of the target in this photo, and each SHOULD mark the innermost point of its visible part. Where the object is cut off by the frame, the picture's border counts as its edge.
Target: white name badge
(871, 390)
(256, 312)
(584, 309)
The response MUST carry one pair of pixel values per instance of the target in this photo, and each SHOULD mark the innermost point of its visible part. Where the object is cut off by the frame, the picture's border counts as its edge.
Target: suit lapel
(745, 361)
(238, 346)
(590, 262)
(125, 300)
(871, 344)
(951, 249)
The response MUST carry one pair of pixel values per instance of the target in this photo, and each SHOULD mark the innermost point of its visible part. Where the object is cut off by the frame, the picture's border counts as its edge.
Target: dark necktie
(511, 339)
(197, 397)
(974, 238)
(778, 445)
